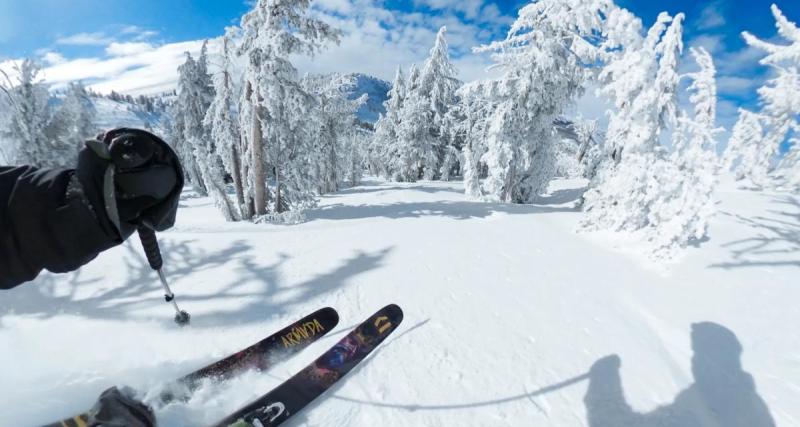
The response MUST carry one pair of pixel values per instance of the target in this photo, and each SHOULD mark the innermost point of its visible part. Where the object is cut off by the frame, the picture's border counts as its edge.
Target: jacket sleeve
(46, 222)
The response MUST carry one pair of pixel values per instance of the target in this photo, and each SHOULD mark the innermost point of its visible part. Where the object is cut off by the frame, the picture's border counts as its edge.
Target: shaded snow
(506, 310)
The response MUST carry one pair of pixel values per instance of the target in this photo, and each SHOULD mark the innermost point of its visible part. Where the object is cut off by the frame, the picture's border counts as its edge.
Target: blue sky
(134, 46)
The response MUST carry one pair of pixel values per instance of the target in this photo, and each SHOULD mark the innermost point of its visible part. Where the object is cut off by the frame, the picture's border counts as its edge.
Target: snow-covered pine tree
(402, 160)
(471, 120)
(438, 84)
(417, 148)
(224, 127)
(590, 137)
(546, 60)
(71, 125)
(188, 112)
(198, 94)
(423, 131)
(642, 79)
(335, 122)
(745, 156)
(273, 104)
(781, 96)
(28, 116)
(684, 205)
(356, 149)
(384, 143)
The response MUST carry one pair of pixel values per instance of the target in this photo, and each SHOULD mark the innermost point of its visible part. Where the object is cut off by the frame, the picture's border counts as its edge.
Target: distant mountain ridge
(354, 85)
(118, 113)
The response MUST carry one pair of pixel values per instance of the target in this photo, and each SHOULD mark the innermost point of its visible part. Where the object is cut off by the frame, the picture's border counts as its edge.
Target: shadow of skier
(722, 395)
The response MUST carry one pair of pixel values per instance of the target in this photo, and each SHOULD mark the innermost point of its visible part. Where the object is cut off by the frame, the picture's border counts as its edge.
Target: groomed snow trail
(507, 310)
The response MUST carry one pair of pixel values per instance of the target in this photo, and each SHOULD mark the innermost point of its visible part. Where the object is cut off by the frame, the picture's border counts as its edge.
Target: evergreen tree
(544, 59)
(423, 134)
(685, 204)
(744, 155)
(71, 125)
(224, 128)
(471, 119)
(188, 113)
(335, 122)
(643, 81)
(385, 140)
(29, 116)
(438, 85)
(273, 104)
(781, 99)
(417, 153)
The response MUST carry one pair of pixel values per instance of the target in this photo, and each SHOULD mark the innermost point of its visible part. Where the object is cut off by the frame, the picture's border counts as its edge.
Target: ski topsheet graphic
(294, 394)
(263, 354)
(259, 356)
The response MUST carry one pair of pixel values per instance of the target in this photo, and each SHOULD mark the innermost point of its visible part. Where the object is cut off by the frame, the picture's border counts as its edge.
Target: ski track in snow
(507, 309)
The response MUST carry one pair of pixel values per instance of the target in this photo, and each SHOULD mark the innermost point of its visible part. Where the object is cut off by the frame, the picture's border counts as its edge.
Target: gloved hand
(120, 408)
(131, 178)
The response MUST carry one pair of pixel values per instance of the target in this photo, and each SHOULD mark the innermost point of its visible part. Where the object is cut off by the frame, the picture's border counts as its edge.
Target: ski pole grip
(150, 243)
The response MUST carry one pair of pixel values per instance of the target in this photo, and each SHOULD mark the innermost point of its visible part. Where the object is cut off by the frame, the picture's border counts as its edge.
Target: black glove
(120, 408)
(132, 178)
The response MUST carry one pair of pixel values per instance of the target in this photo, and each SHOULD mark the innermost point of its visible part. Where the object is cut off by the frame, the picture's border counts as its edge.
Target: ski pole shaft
(151, 249)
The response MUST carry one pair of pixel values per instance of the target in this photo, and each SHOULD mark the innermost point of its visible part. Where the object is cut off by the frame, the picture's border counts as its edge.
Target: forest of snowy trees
(264, 142)
(39, 132)
(652, 171)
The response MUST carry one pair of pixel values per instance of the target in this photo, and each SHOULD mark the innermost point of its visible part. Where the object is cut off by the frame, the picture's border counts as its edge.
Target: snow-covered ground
(504, 305)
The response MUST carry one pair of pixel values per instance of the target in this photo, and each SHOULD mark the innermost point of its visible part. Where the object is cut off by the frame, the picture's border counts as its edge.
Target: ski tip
(394, 311)
(330, 315)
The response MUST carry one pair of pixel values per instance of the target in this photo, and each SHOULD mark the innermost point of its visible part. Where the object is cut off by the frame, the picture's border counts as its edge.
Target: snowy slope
(113, 114)
(501, 303)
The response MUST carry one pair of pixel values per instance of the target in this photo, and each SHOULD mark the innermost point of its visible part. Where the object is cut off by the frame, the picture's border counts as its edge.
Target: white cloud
(343, 7)
(473, 10)
(736, 85)
(711, 16)
(138, 33)
(470, 8)
(744, 60)
(53, 58)
(86, 39)
(138, 72)
(131, 29)
(126, 49)
(376, 41)
(713, 43)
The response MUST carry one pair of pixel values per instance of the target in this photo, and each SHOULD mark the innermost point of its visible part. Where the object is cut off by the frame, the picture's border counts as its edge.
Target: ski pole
(150, 243)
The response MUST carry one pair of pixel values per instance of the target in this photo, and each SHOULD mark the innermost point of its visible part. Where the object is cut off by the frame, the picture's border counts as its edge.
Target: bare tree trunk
(257, 153)
(237, 177)
(278, 201)
(333, 177)
(508, 189)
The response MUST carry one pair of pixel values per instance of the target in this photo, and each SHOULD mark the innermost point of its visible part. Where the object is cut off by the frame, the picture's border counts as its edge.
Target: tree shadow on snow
(455, 209)
(256, 289)
(367, 188)
(722, 394)
(777, 242)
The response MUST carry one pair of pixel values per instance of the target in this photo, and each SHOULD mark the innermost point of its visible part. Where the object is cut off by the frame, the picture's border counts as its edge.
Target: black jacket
(46, 222)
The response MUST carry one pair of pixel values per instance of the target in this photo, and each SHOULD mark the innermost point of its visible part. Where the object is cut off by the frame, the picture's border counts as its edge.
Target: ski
(259, 356)
(265, 353)
(297, 392)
